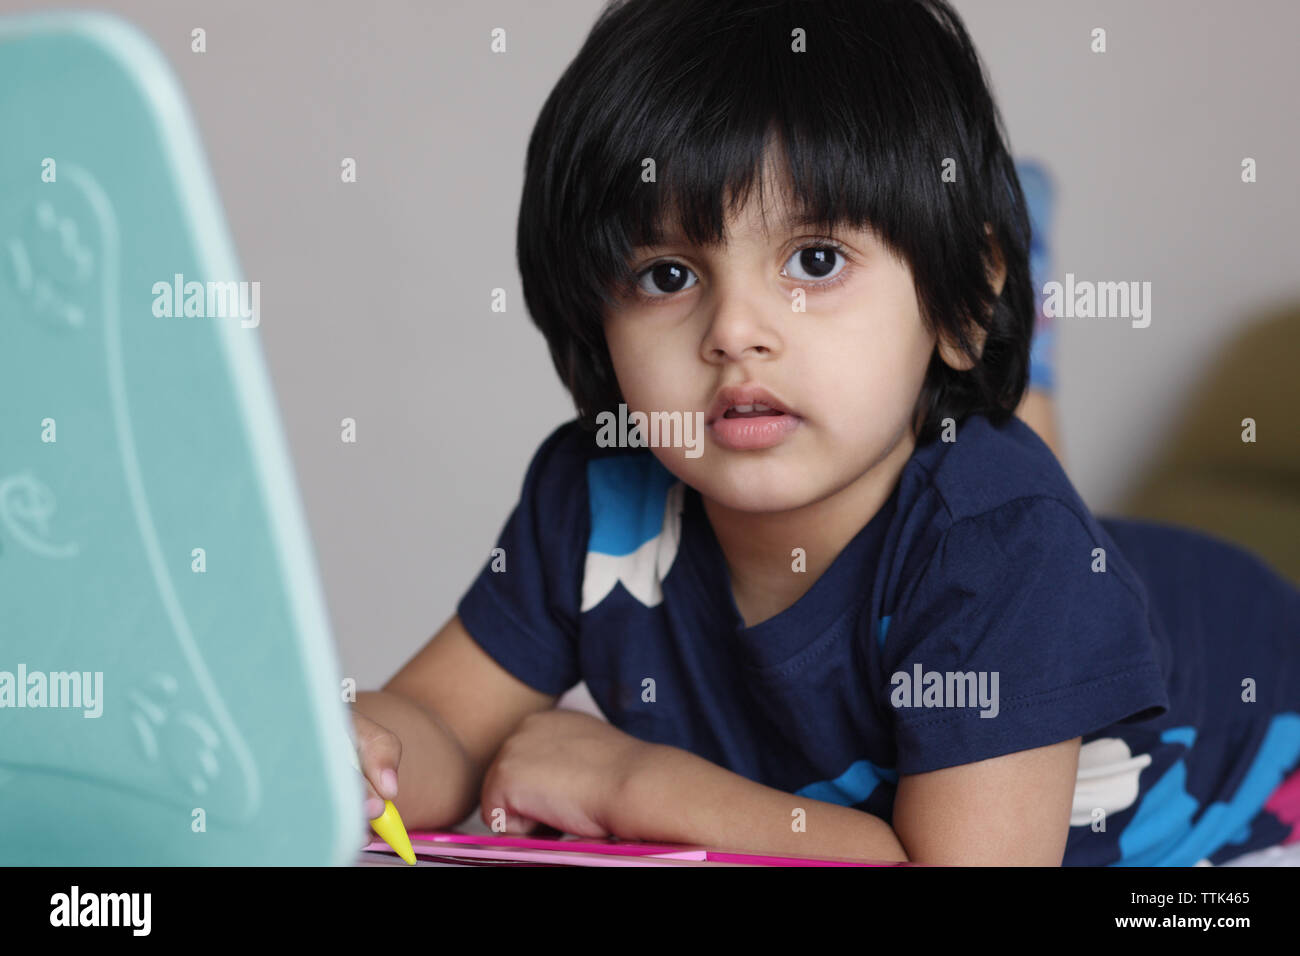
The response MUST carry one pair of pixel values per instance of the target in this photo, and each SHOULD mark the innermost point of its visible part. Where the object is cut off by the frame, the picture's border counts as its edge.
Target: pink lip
(747, 434)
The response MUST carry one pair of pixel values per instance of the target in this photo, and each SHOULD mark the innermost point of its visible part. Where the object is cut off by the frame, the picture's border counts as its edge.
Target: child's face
(847, 370)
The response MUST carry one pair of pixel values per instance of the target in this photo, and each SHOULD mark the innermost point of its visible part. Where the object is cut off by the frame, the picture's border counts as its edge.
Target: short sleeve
(1014, 638)
(523, 607)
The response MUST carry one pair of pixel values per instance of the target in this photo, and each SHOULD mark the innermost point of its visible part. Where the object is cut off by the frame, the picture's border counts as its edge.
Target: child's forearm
(437, 783)
(675, 796)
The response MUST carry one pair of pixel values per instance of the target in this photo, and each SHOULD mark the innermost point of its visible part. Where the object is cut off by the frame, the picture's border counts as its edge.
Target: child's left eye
(822, 261)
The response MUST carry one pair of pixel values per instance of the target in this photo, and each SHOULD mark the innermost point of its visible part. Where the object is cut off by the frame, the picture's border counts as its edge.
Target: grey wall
(375, 296)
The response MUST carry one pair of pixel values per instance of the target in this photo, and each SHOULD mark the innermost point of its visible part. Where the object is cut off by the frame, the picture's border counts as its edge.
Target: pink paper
(569, 843)
(582, 852)
(511, 854)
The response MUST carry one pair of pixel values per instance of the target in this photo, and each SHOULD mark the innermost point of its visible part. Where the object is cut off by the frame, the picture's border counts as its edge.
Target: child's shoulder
(999, 490)
(616, 505)
(986, 467)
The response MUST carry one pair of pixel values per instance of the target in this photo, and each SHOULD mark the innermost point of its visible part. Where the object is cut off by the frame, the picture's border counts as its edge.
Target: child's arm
(1009, 810)
(1012, 810)
(451, 707)
(676, 796)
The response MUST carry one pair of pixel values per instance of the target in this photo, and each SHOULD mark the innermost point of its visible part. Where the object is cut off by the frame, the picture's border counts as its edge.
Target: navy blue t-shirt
(982, 611)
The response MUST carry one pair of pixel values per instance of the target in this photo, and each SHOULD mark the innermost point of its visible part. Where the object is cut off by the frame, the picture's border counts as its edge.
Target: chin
(742, 489)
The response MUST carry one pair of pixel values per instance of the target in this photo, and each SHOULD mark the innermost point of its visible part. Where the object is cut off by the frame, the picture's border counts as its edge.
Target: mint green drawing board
(220, 687)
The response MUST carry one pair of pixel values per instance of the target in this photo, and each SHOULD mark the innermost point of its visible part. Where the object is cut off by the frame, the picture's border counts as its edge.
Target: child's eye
(820, 262)
(668, 277)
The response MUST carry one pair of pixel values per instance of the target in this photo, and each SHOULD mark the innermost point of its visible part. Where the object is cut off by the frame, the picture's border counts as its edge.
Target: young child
(864, 613)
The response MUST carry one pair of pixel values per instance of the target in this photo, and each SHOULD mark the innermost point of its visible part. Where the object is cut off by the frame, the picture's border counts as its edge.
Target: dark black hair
(886, 92)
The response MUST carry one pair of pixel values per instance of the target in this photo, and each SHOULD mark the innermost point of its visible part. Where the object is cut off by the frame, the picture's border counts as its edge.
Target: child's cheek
(869, 378)
(654, 371)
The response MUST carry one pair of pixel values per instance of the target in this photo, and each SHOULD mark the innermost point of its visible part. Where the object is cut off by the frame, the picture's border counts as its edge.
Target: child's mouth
(750, 428)
(749, 417)
(750, 411)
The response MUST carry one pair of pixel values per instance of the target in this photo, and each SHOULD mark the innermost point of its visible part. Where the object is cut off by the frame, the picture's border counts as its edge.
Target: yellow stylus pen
(389, 823)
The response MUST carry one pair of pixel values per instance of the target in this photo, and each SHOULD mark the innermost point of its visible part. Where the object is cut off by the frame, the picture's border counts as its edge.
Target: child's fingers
(379, 752)
(374, 806)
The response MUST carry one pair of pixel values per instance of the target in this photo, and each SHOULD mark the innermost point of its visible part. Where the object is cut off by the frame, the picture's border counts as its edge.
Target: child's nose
(740, 330)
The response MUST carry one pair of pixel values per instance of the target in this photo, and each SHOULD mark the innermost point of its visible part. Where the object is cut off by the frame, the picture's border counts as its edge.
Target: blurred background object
(1206, 476)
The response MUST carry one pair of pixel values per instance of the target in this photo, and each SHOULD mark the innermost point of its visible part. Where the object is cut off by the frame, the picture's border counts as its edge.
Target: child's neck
(758, 546)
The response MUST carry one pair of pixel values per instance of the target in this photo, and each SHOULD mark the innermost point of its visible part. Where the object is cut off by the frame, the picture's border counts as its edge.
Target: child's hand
(563, 769)
(378, 751)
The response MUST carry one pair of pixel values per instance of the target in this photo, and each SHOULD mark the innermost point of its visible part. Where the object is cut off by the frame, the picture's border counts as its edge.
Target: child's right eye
(666, 277)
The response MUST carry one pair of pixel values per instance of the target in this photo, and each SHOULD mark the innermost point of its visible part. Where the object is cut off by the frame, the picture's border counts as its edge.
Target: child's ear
(953, 356)
(998, 271)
